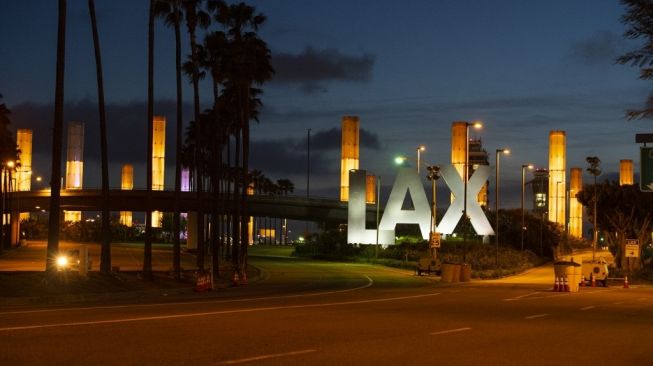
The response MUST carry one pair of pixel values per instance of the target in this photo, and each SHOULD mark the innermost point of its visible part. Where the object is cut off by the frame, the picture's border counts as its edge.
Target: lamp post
(496, 199)
(523, 178)
(308, 173)
(419, 150)
(378, 203)
(476, 125)
(433, 176)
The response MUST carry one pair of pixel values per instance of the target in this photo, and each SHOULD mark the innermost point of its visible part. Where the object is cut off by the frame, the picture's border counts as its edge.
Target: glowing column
(250, 223)
(158, 161)
(625, 172)
(458, 148)
(350, 150)
(24, 172)
(370, 189)
(557, 178)
(127, 183)
(75, 164)
(575, 208)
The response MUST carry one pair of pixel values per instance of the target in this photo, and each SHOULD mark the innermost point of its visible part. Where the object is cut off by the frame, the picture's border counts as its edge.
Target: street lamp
(496, 199)
(523, 178)
(419, 150)
(477, 125)
(433, 176)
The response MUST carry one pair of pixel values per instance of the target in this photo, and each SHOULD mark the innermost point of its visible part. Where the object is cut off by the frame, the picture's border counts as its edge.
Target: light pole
(496, 199)
(378, 204)
(433, 176)
(308, 172)
(476, 125)
(419, 150)
(523, 178)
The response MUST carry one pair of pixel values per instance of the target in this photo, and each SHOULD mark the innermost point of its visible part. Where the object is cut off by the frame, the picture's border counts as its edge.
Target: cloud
(312, 68)
(332, 139)
(600, 49)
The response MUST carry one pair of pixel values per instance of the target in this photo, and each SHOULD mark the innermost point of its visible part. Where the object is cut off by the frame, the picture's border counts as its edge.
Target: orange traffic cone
(556, 285)
(593, 279)
(235, 280)
(626, 282)
(566, 287)
(582, 281)
(244, 280)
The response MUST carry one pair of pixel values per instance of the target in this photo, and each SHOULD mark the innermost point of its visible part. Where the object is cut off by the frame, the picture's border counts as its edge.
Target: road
(316, 313)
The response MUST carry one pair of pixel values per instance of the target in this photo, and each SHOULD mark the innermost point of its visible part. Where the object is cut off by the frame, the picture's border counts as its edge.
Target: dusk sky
(407, 69)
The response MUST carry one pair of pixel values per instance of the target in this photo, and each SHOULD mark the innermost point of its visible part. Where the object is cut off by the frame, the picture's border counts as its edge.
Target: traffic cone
(244, 280)
(626, 282)
(582, 281)
(566, 287)
(235, 280)
(556, 285)
(593, 279)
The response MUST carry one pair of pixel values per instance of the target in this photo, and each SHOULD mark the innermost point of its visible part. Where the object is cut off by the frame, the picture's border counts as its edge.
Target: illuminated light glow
(455, 211)
(625, 172)
(267, 233)
(575, 208)
(127, 183)
(557, 167)
(158, 161)
(399, 160)
(75, 164)
(350, 153)
(62, 261)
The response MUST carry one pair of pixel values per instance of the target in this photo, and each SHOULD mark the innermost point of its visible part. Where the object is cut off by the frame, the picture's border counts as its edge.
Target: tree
(57, 140)
(147, 250)
(595, 170)
(170, 10)
(622, 212)
(639, 19)
(105, 256)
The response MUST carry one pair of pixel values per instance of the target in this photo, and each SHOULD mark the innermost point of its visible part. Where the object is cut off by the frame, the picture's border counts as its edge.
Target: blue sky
(408, 69)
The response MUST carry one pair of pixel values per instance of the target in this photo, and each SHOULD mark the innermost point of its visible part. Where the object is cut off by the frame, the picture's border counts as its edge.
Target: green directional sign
(646, 169)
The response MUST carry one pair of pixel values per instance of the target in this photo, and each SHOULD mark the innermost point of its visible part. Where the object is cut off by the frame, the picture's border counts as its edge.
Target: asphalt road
(314, 313)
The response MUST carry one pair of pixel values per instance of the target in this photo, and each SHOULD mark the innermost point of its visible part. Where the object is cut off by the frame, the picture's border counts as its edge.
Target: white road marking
(369, 283)
(588, 307)
(536, 316)
(450, 331)
(618, 303)
(265, 357)
(522, 296)
(220, 312)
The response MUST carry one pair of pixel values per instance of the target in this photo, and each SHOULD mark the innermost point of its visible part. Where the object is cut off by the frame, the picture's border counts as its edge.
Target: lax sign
(408, 182)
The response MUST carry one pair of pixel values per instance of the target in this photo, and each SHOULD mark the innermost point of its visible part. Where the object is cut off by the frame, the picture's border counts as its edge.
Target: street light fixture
(477, 125)
(523, 178)
(496, 198)
(419, 150)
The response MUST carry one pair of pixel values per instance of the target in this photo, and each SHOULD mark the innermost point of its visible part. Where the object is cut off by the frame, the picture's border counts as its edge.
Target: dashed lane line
(588, 307)
(536, 316)
(266, 357)
(450, 331)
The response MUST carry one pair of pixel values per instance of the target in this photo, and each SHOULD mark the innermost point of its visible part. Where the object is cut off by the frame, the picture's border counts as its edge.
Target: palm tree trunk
(57, 138)
(245, 213)
(236, 220)
(147, 255)
(176, 257)
(105, 256)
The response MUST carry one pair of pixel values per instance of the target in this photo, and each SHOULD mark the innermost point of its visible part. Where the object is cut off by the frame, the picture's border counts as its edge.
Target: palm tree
(105, 257)
(57, 139)
(147, 255)
(594, 169)
(170, 11)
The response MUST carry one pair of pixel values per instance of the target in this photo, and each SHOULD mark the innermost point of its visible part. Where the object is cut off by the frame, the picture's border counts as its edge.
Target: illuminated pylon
(158, 161)
(75, 164)
(350, 153)
(575, 208)
(557, 177)
(625, 172)
(127, 183)
(24, 171)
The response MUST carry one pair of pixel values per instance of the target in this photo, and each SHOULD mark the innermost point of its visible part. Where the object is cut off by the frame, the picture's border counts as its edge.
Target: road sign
(646, 169)
(632, 248)
(435, 239)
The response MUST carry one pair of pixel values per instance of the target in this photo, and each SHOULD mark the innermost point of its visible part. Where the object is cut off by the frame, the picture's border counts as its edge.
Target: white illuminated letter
(407, 182)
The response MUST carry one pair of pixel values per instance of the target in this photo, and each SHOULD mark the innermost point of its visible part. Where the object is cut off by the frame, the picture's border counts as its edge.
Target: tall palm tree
(170, 11)
(147, 255)
(105, 256)
(57, 139)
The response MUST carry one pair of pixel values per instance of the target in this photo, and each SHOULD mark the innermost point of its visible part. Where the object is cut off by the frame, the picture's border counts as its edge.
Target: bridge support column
(14, 229)
(191, 230)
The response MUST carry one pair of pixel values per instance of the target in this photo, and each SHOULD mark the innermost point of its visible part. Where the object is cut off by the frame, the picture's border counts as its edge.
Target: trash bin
(570, 270)
(465, 272)
(450, 272)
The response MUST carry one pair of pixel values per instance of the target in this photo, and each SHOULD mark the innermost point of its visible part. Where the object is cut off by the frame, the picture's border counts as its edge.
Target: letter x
(455, 212)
